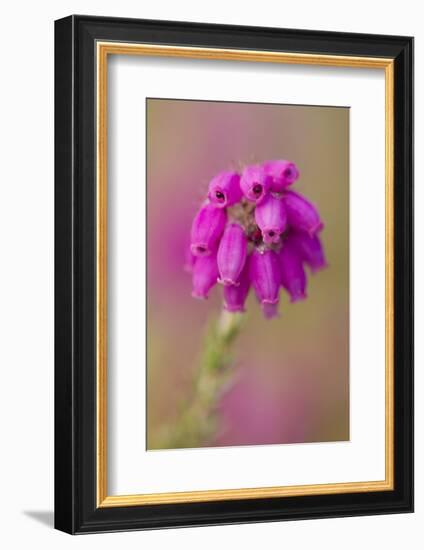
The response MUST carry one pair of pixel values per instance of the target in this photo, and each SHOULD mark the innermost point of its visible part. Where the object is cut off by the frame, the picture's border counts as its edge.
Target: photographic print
(233, 274)
(247, 274)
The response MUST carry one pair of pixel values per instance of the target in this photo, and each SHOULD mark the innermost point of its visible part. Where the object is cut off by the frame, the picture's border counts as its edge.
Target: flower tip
(217, 198)
(224, 189)
(255, 183)
(271, 236)
(200, 249)
(234, 308)
(270, 309)
(228, 282)
(291, 173)
(298, 297)
(271, 302)
(282, 172)
(318, 268)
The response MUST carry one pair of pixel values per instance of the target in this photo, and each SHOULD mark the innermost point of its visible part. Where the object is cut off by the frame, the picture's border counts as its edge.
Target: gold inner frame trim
(103, 50)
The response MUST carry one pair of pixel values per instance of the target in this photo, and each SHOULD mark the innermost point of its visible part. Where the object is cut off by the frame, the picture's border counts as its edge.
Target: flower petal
(205, 276)
(293, 277)
(302, 214)
(271, 217)
(232, 254)
(224, 189)
(208, 226)
(282, 172)
(255, 183)
(265, 277)
(310, 249)
(235, 295)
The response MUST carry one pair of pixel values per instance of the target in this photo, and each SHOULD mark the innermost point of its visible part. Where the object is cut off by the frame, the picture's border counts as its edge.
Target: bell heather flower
(301, 213)
(293, 277)
(235, 295)
(207, 228)
(232, 254)
(265, 277)
(282, 172)
(255, 183)
(310, 250)
(254, 231)
(271, 217)
(224, 189)
(205, 275)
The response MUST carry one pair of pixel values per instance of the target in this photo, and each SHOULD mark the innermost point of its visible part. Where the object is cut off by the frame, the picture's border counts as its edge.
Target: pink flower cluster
(254, 231)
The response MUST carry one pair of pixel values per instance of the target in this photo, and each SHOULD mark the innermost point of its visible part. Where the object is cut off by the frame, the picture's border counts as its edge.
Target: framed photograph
(234, 274)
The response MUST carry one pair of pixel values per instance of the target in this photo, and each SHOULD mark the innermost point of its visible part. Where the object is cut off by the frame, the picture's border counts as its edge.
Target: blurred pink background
(292, 382)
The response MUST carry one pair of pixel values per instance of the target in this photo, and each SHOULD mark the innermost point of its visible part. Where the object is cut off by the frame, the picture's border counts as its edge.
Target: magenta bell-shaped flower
(232, 254)
(205, 276)
(255, 183)
(235, 295)
(310, 250)
(301, 214)
(254, 231)
(265, 277)
(293, 277)
(282, 172)
(207, 228)
(271, 217)
(224, 189)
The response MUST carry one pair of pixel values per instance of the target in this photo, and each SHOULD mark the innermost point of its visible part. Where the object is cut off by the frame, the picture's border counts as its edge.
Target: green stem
(196, 419)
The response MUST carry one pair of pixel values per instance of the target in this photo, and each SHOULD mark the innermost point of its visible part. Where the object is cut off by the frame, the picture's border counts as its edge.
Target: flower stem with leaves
(196, 421)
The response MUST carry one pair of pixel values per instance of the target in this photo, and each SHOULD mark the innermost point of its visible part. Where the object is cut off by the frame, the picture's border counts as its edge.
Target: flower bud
(293, 277)
(206, 229)
(301, 214)
(205, 276)
(232, 252)
(282, 172)
(255, 183)
(224, 189)
(265, 277)
(310, 250)
(271, 217)
(235, 295)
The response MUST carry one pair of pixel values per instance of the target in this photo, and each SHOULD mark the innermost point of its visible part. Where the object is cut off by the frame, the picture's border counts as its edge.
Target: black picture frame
(76, 510)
